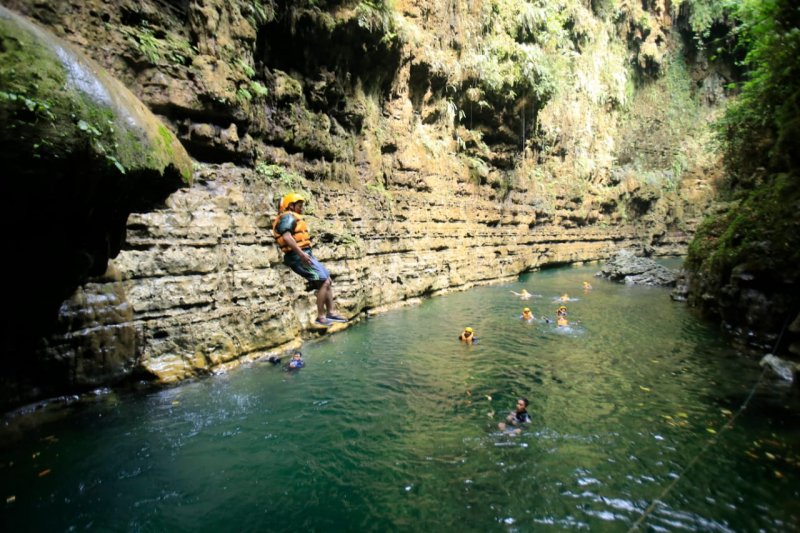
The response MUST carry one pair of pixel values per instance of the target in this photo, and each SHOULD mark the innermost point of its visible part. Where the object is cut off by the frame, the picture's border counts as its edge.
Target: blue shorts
(315, 273)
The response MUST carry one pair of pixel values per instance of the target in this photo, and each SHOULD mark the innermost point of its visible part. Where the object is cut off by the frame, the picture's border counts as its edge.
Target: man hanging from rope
(291, 232)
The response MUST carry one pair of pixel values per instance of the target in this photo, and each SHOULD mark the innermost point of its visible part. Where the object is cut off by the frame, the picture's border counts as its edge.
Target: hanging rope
(647, 512)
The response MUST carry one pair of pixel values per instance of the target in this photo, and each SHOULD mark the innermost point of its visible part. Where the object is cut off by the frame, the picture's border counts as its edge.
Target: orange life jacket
(300, 233)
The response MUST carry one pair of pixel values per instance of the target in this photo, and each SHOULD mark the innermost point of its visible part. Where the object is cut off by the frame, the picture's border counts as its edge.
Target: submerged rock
(630, 269)
(785, 370)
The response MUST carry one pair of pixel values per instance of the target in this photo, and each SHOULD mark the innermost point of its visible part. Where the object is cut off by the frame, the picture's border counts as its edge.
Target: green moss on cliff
(748, 256)
(54, 98)
(760, 235)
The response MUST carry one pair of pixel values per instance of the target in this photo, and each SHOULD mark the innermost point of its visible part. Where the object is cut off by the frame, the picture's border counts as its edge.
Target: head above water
(467, 330)
(522, 403)
(297, 355)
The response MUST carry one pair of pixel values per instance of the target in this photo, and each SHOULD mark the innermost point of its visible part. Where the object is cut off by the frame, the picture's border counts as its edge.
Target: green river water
(392, 426)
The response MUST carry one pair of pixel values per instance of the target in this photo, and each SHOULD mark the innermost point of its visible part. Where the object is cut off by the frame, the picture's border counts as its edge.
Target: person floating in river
(527, 315)
(587, 286)
(524, 295)
(561, 311)
(467, 336)
(518, 417)
(562, 321)
(296, 362)
(291, 232)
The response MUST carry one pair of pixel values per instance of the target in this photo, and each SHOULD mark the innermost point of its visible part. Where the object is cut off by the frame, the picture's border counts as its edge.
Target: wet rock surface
(626, 267)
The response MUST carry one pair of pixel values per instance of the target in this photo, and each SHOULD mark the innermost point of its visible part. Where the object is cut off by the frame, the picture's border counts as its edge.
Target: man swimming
(518, 417)
(467, 336)
(296, 362)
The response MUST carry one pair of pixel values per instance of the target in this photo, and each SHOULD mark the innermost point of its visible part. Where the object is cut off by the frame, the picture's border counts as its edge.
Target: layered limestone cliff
(441, 145)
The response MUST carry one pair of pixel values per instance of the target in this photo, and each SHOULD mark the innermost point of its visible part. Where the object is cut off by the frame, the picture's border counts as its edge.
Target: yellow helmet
(468, 330)
(563, 307)
(289, 199)
(527, 310)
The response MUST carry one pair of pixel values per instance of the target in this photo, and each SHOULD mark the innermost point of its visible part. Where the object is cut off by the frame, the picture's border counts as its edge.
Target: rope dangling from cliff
(647, 512)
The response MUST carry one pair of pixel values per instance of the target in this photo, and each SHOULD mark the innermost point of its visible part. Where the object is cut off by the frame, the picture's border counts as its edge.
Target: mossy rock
(79, 153)
(55, 101)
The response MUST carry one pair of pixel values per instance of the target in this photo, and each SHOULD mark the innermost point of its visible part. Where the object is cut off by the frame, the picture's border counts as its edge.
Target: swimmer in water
(467, 336)
(524, 295)
(562, 322)
(296, 362)
(527, 315)
(561, 311)
(564, 297)
(587, 286)
(518, 417)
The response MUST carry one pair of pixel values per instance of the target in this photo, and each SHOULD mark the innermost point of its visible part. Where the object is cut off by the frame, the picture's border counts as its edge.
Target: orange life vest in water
(300, 233)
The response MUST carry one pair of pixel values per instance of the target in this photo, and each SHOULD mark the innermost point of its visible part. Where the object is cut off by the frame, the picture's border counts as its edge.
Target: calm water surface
(392, 426)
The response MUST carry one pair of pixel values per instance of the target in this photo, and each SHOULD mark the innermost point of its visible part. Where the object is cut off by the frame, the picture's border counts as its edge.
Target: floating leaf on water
(712, 431)
(769, 456)
(644, 388)
(668, 417)
(778, 474)
(751, 454)
(683, 415)
(44, 472)
(11, 499)
(488, 397)
(726, 412)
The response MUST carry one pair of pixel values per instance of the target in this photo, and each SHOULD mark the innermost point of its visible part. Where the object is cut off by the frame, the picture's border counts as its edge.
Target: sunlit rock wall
(407, 199)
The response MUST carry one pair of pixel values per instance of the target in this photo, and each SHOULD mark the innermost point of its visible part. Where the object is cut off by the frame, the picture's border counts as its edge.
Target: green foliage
(762, 127)
(760, 232)
(258, 89)
(376, 16)
(275, 174)
(703, 14)
(38, 107)
(245, 68)
(525, 48)
(668, 114)
(243, 95)
(155, 49)
(259, 12)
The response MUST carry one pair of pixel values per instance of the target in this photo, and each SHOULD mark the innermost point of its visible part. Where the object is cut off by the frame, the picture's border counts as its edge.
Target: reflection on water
(392, 425)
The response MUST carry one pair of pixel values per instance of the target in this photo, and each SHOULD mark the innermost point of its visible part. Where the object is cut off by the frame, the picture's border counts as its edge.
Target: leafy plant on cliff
(760, 134)
(376, 16)
(703, 14)
(155, 48)
(259, 12)
(762, 127)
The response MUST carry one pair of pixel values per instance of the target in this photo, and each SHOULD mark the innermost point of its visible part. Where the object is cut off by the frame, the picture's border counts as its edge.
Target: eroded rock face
(79, 152)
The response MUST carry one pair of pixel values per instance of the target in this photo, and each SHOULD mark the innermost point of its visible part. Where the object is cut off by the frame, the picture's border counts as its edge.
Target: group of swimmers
(468, 335)
(520, 414)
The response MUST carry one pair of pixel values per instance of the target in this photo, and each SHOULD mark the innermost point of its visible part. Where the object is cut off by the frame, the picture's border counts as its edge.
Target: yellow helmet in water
(526, 310)
(468, 330)
(289, 199)
(562, 308)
